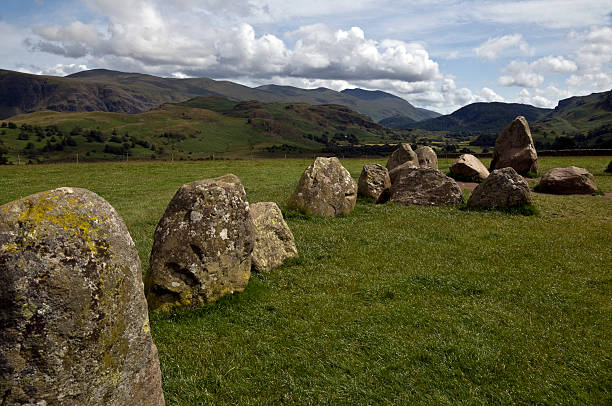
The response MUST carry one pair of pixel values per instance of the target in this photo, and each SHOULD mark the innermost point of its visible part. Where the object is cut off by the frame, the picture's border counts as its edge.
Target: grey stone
(326, 189)
(424, 186)
(394, 173)
(274, 241)
(566, 181)
(514, 148)
(427, 157)
(401, 155)
(373, 181)
(468, 168)
(75, 328)
(502, 188)
(202, 245)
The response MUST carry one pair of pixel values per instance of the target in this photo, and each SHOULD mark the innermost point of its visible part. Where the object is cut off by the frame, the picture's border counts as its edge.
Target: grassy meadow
(389, 305)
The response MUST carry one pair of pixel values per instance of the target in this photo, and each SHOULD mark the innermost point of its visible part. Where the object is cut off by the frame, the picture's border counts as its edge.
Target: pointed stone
(514, 148)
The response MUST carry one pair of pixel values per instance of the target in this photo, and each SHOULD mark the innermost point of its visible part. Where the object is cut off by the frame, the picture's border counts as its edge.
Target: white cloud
(488, 95)
(555, 64)
(520, 73)
(495, 47)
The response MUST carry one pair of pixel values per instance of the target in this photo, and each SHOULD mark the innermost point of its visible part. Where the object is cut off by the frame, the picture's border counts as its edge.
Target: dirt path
(532, 182)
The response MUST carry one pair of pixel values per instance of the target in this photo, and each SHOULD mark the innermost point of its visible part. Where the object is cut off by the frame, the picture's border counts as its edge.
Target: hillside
(481, 117)
(105, 90)
(192, 130)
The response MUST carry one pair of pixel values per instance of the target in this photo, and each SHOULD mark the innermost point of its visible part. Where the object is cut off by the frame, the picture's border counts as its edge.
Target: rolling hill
(200, 128)
(112, 91)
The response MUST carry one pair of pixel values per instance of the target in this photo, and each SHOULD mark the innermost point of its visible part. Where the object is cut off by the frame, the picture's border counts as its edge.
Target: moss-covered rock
(274, 241)
(75, 328)
(202, 245)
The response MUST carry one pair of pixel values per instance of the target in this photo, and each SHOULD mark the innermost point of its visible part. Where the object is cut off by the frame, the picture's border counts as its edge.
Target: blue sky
(437, 54)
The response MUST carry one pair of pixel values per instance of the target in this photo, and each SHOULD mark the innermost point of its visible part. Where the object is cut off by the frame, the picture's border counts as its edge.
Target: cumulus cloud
(520, 73)
(488, 95)
(494, 47)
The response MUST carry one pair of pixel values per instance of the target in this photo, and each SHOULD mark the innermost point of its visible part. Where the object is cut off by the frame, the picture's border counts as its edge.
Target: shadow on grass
(524, 210)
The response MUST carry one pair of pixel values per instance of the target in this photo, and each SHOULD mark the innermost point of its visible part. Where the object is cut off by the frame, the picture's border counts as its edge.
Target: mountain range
(112, 91)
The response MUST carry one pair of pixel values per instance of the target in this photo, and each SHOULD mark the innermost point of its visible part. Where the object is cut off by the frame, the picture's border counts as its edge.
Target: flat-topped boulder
(274, 242)
(75, 328)
(401, 155)
(468, 168)
(326, 189)
(427, 157)
(424, 186)
(567, 181)
(202, 245)
(501, 189)
(373, 181)
(514, 148)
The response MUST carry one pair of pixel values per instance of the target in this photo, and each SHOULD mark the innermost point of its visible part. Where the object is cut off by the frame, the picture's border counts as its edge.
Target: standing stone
(567, 181)
(202, 245)
(468, 168)
(273, 239)
(373, 181)
(427, 157)
(403, 154)
(75, 328)
(502, 188)
(325, 189)
(425, 186)
(514, 148)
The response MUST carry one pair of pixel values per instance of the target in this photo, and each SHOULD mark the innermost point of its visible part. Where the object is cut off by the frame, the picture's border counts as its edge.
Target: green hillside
(192, 130)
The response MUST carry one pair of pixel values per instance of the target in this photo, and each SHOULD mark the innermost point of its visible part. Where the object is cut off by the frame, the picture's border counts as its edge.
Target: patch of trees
(360, 150)
(485, 140)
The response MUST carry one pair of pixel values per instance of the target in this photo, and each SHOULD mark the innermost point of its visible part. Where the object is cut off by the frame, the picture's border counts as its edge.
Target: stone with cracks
(75, 328)
(427, 157)
(274, 241)
(403, 154)
(502, 188)
(202, 245)
(514, 148)
(425, 186)
(468, 168)
(566, 181)
(394, 173)
(373, 181)
(326, 189)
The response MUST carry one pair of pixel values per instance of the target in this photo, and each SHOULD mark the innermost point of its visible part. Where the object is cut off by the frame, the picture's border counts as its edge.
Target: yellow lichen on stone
(146, 327)
(10, 247)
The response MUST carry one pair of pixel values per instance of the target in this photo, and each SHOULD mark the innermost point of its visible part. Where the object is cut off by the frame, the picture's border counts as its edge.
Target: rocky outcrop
(502, 188)
(514, 148)
(403, 154)
(373, 181)
(274, 241)
(468, 168)
(567, 181)
(202, 245)
(424, 186)
(75, 328)
(326, 189)
(427, 157)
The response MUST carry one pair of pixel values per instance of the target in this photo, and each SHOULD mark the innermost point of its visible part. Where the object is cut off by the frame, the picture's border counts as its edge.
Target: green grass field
(389, 305)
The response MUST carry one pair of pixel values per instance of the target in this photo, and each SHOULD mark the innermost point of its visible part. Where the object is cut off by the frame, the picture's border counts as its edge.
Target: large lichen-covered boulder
(468, 168)
(326, 189)
(202, 245)
(567, 181)
(424, 186)
(395, 172)
(373, 181)
(427, 157)
(502, 188)
(75, 328)
(403, 154)
(274, 242)
(514, 148)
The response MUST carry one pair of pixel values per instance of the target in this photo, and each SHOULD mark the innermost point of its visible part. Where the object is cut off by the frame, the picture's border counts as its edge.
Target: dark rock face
(514, 148)
(609, 168)
(402, 155)
(373, 181)
(326, 189)
(75, 328)
(427, 157)
(274, 241)
(502, 188)
(468, 168)
(567, 181)
(202, 245)
(424, 186)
